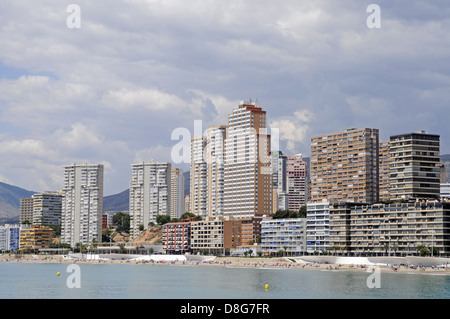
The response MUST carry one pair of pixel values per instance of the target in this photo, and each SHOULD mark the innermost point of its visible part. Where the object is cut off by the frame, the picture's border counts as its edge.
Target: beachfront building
(82, 204)
(241, 232)
(414, 169)
(344, 166)
(384, 171)
(207, 236)
(47, 208)
(150, 194)
(247, 170)
(35, 237)
(198, 194)
(397, 229)
(176, 237)
(286, 236)
(9, 237)
(318, 227)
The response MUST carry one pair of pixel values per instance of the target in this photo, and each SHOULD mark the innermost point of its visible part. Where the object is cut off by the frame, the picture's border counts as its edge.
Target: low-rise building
(207, 235)
(176, 237)
(35, 237)
(287, 235)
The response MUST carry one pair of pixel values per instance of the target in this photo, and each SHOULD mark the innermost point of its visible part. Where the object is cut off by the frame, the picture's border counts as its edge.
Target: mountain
(117, 203)
(10, 202)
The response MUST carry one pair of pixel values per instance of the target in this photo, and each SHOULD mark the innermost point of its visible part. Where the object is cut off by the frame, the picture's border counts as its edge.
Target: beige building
(385, 170)
(207, 235)
(389, 229)
(35, 237)
(177, 193)
(26, 210)
(344, 166)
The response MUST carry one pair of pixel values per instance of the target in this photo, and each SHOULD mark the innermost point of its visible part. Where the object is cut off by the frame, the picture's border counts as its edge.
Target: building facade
(296, 181)
(414, 169)
(47, 208)
(345, 166)
(35, 237)
(287, 235)
(318, 227)
(150, 194)
(279, 181)
(177, 193)
(176, 238)
(82, 204)
(247, 171)
(9, 237)
(207, 236)
(26, 210)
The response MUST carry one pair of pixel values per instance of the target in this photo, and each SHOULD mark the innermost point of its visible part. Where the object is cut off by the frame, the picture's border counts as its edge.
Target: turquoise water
(145, 281)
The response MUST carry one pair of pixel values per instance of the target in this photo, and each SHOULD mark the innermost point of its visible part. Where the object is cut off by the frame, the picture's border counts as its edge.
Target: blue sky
(113, 90)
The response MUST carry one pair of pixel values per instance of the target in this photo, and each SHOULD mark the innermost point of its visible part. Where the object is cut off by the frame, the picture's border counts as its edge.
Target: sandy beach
(236, 262)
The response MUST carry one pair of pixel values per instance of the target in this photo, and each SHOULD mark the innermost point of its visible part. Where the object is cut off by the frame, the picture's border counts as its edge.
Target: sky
(110, 83)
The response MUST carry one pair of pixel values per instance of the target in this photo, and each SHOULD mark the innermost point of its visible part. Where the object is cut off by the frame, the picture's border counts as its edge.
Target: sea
(147, 281)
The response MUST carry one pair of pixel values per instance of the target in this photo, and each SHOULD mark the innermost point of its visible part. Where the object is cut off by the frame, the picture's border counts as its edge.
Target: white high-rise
(150, 189)
(82, 204)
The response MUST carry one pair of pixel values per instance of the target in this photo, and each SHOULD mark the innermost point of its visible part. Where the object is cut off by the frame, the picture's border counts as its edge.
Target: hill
(117, 203)
(10, 202)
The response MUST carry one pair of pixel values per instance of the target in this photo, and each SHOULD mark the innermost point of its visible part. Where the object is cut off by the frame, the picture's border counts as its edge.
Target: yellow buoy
(267, 286)
(57, 274)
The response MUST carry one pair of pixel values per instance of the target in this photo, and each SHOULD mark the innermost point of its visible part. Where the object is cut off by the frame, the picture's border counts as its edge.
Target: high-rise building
(150, 194)
(344, 166)
(47, 208)
(414, 169)
(198, 180)
(279, 181)
(9, 237)
(177, 193)
(318, 227)
(207, 172)
(296, 177)
(385, 169)
(247, 171)
(26, 210)
(82, 204)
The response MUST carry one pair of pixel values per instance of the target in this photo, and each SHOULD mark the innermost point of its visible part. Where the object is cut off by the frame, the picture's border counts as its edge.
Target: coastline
(240, 262)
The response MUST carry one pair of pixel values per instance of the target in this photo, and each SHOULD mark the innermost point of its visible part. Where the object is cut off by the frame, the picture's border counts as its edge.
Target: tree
(302, 211)
(162, 219)
(122, 222)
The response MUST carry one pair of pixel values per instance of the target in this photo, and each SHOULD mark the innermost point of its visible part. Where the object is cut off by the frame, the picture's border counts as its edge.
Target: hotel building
(35, 237)
(82, 204)
(26, 210)
(150, 194)
(247, 171)
(344, 166)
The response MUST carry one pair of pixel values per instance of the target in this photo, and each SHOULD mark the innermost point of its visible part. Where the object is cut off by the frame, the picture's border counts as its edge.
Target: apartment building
(445, 191)
(198, 177)
(47, 208)
(9, 237)
(287, 235)
(414, 170)
(280, 197)
(176, 238)
(35, 237)
(82, 204)
(26, 210)
(247, 171)
(400, 229)
(150, 194)
(296, 181)
(385, 171)
(207, 235)
(241, 232)
(177, 193)
(318, 227)
(344, 166)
